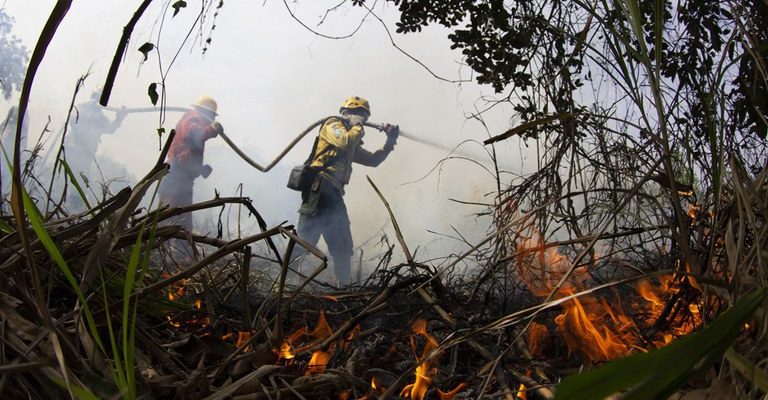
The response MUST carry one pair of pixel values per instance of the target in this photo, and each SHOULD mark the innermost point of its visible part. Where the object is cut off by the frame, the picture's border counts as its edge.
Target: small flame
(693, 210)
(175, 290)
(173, 323)
(242, 338)
(198, 304)
(320, 358)
(536, 334)
(318, 362)
(227, 336)
(425, 373)
(285, 351)
(181, 286)
(586, 331)
(351, 337)
(452, 393)
(522, 392)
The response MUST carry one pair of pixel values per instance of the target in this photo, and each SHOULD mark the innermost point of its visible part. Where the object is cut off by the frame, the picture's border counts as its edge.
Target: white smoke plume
(272, 78)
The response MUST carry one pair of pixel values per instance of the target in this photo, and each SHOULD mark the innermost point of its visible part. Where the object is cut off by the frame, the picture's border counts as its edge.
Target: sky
(273, 77)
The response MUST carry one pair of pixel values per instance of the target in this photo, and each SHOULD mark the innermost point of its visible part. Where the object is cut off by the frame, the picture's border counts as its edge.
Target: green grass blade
(5, 228)
(129, 317)
(117, 366)
(36, 220)
(75, 183)
(80, 393)
(748, 369)
(658, 373)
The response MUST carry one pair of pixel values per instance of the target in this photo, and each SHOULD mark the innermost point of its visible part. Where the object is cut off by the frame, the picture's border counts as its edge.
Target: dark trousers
(323, 212)
(176, 191)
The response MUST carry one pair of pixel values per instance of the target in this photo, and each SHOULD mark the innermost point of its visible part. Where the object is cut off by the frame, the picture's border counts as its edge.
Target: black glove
(205, 172)
(393, 132)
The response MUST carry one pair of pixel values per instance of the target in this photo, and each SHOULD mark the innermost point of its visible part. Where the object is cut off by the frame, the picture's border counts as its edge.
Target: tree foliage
(13, 55)
(706, 61)
(639, 111)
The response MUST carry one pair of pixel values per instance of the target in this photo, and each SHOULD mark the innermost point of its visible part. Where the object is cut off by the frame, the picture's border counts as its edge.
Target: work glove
(206, 171)
(393, 132)
(217, 127)
(120, 115)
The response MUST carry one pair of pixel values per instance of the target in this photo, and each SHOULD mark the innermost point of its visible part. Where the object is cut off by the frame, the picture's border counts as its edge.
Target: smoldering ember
(358, 200)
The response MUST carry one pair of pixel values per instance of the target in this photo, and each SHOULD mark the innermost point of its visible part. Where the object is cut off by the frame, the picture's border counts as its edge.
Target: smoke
(272, 78)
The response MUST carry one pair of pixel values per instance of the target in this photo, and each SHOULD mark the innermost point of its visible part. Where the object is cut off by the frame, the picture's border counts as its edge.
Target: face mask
(356, 119)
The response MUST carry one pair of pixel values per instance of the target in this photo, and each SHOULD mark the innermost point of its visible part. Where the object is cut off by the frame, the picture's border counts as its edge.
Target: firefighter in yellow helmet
(323, 211)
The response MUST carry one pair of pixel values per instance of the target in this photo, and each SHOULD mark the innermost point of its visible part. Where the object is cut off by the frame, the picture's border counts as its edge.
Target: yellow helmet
(207, 103)
(356, 102)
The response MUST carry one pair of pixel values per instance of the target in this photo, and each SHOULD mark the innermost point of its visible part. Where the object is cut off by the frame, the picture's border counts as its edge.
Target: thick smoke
(272, 78)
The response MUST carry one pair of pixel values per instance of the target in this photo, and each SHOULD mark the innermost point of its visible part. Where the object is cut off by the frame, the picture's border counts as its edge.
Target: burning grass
(121, 316)
(407, 332)
(127, 318)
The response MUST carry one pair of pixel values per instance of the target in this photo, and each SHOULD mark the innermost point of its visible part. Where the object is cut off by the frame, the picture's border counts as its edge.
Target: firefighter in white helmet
(185, 156)
(323, 211)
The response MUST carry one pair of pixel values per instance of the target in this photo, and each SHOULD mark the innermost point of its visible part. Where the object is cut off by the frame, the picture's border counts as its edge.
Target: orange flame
(584, 330)
(693, 210)
(198, 304)
(656, 298)
(175, 290)
(424, 371)
(320, 358)
(318, 362)
(589, 324)
(536, 334)
(285, 351)
(522, 392)
(452, 393)
(350, 337)
(242, 338)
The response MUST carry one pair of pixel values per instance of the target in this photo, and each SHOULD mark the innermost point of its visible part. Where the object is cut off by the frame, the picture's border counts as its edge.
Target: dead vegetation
(631, 235)
(125, 319)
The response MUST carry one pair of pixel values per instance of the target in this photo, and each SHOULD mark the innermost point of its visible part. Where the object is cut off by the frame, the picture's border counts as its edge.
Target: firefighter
(323, 211)
(185, 157)
(86, 127)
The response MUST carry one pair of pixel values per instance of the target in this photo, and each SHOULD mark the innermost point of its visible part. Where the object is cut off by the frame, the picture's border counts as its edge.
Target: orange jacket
(186, 152)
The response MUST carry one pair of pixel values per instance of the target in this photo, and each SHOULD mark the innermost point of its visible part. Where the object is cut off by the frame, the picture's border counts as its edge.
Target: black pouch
(301, 177)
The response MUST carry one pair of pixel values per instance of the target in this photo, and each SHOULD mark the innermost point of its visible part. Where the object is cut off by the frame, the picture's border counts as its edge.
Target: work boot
(342, 270)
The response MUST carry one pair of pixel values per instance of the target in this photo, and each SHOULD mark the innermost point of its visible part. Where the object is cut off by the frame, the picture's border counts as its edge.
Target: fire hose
(290, 145)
